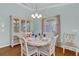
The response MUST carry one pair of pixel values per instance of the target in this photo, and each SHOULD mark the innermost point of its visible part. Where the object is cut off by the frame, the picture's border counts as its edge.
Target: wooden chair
(68, 42)
(28, 34)
(26, 49)
(49, 49)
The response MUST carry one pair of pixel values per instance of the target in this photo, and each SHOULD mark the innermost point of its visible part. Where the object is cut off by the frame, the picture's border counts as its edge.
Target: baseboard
(4, 46)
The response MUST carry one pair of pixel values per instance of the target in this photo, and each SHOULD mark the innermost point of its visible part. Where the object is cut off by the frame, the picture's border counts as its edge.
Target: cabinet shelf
(17, 26)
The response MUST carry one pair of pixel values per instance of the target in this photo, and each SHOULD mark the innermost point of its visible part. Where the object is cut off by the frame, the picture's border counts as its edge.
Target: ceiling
(39, 6)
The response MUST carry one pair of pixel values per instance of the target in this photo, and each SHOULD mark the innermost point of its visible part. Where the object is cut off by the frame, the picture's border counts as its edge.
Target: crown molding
(59, 5)
(25, 7)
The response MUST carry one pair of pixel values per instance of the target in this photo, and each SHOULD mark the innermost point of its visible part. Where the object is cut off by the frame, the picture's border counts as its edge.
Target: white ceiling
(32, 6)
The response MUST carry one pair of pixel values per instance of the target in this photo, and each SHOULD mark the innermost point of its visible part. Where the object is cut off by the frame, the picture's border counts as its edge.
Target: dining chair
(68, 42)
(28, 34)
(49, 49)
(26, 49)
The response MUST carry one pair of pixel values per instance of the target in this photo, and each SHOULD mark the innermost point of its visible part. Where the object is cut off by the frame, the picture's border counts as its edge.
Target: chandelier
(36, 14)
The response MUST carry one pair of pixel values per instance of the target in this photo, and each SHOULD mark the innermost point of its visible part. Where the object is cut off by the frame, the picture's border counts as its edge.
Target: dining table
(38, 42)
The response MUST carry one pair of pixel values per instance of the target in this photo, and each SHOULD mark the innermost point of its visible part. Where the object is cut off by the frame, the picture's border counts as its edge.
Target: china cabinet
(52, 25)
(17, 26)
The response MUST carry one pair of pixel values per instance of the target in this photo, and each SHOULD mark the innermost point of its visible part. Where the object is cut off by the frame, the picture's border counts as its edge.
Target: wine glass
(44, 35)
(32, 34)
(35, 36)
(39, 34)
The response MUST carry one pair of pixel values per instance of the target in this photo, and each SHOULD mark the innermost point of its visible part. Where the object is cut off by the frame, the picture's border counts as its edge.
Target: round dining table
(38, 42)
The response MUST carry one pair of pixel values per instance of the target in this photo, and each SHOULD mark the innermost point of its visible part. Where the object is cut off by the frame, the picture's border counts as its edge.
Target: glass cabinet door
(23, 25)
(50, 25)
(16, 25)
(28, 26)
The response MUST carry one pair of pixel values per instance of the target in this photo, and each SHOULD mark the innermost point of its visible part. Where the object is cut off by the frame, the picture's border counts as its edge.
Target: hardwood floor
(9, 51)
(15, 51)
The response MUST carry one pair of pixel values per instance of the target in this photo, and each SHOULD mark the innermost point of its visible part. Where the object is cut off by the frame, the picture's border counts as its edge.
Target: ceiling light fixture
(36, 14)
